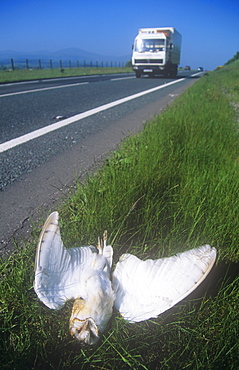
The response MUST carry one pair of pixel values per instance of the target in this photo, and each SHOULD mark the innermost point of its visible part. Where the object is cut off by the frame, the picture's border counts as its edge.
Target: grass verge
(37, 74)
(173, 186)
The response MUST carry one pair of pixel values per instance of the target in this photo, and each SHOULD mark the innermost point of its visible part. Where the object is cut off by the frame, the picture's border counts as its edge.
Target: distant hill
(65, 55)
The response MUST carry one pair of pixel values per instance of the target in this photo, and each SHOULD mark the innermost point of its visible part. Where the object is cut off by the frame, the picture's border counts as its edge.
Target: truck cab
(156, 51)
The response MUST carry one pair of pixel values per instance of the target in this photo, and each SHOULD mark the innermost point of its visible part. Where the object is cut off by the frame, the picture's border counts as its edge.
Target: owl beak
(85, 331)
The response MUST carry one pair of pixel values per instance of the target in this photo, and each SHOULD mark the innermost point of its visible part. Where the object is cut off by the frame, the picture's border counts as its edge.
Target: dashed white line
(121, 78)
(55, 126)
(53, 87)
(43, 89)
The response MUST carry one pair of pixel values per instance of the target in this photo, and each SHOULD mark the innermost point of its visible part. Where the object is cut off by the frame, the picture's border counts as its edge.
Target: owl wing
(144, 289)
(60, 272)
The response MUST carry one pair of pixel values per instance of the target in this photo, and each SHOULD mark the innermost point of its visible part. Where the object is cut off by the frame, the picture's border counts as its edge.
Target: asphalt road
(37, 166)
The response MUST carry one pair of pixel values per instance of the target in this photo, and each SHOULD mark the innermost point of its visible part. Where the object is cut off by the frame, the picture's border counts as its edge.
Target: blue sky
(209, 28)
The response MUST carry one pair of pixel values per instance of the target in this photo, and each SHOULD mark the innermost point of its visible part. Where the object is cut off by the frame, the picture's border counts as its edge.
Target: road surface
(53, 131)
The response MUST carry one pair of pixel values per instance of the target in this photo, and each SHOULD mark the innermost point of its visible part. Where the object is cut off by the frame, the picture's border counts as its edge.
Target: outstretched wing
(144, 289)
(60, 272)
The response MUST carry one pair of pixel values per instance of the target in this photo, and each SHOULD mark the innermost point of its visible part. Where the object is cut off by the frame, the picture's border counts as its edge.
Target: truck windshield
(153, 45)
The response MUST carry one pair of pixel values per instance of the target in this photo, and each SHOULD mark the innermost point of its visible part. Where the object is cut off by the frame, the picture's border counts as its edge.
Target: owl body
(138, 289)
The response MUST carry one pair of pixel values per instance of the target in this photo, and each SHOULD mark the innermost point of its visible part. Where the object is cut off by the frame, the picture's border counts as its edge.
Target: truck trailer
(156, 51)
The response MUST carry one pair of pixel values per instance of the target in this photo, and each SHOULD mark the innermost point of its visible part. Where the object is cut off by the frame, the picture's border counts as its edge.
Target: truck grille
(148, 61)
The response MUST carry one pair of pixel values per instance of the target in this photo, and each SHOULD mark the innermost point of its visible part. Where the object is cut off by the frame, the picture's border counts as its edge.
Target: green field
(172, 187)
(35, 74)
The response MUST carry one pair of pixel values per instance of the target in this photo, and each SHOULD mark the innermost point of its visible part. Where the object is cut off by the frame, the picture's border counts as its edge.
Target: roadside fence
(43, 64)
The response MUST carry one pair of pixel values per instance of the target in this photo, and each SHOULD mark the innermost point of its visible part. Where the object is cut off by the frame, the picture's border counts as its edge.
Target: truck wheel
(137, 74)
(174, 71)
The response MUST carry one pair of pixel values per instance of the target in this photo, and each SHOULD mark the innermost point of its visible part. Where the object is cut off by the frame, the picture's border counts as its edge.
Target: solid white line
(196, 74)
(43, 89)
(55, 126)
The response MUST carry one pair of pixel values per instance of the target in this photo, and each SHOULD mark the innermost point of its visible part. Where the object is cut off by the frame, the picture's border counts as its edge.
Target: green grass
(180, 176)
(172, 187)
(35, 74)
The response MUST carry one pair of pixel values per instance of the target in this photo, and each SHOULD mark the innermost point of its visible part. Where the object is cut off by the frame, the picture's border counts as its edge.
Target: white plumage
(139, 290)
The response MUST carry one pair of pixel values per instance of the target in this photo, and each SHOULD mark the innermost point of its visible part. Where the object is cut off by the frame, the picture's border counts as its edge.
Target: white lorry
(156, 51)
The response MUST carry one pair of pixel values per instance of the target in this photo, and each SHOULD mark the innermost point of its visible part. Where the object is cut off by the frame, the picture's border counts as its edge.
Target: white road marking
(66, 78)
(55, 126)
(53, 80)
(19, 83)
(43, 89)
(45, 80)
(121, 78)
(53, 87)
(196, 74)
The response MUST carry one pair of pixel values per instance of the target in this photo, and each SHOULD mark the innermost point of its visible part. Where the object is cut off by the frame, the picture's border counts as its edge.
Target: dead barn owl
(138, 289)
